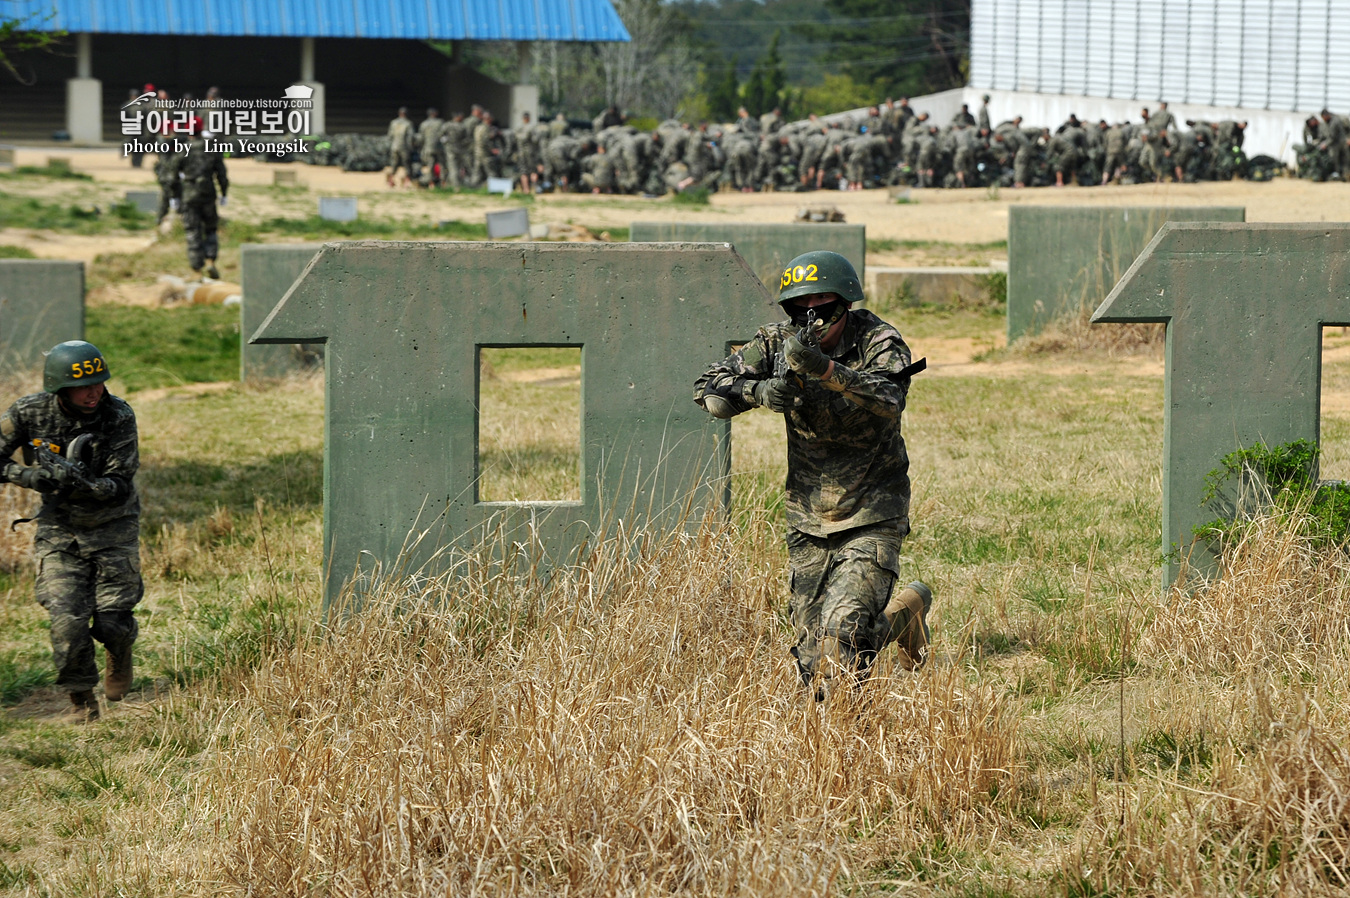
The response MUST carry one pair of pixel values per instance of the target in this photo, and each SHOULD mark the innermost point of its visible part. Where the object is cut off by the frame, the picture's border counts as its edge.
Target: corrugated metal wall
(1264, 54)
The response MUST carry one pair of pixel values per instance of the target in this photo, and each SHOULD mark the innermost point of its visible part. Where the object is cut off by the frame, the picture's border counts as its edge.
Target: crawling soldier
(87, 545)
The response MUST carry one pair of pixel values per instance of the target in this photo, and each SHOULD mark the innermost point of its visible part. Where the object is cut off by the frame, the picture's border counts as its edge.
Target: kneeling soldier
(839, 378)
(80, 445)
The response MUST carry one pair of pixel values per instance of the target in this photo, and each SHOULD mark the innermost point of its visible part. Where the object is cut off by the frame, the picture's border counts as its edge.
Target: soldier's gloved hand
(805, 360)
(40, 479)
(223, 198)
(173, 204)
(777, 394)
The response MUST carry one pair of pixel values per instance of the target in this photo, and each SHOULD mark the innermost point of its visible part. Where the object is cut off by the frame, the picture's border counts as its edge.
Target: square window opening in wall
(529, 424)
(1334, 458)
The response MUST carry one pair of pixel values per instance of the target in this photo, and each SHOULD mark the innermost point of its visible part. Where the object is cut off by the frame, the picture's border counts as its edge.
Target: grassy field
(635, 726)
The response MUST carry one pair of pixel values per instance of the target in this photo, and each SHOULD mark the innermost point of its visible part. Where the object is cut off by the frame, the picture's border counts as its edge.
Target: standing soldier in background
(400, 146)
(431, 150)
(457, 138)
(170, 188)
(839, 378)
(200, 171)
(984, 114)
(87, 545)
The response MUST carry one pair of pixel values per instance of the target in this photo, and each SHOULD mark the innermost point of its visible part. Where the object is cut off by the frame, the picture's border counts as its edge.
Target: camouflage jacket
(201, 171)
(847, 464)
(115, 454)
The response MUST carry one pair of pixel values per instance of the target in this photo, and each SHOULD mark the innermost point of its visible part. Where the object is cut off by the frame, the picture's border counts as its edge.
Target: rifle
(809, 337)
(72, 468)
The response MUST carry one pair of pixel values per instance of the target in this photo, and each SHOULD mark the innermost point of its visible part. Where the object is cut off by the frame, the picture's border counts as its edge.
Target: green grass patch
(698, 196)
(21, 674)
(55, 169)
(28, 212)
(166, 347)
(316, 228)
(9, 251)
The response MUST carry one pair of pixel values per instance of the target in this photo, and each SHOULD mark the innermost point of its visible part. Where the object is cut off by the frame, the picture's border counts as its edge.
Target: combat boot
(85, 708)
(907, 615)
(117, 674)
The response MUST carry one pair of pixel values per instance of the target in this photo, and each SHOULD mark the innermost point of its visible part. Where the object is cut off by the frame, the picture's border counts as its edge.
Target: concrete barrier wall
(935, 286)
(41, 304)
(766, 247)
(404, 324)
(1244, 305)
(1065, 259)
(267, 273)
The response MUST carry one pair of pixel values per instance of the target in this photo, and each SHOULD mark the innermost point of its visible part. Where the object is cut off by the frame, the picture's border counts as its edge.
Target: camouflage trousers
(199, 227)
(90, 594)
(840, 586)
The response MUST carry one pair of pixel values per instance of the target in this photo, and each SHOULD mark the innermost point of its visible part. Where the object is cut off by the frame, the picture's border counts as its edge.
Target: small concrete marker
(144, 200)
(41, 304)
(337, 208)
(1063, 259)
(508, 223)
(1244, 306)
(404, 323)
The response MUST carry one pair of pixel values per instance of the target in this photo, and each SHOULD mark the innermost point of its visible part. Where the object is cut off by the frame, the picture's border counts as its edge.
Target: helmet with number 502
(73, 363)
(820, 271)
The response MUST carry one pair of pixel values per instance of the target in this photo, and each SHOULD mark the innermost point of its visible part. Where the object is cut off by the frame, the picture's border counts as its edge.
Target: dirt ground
(976, 216)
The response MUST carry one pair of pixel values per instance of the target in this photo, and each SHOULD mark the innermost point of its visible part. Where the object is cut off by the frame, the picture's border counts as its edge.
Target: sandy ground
(972, 217)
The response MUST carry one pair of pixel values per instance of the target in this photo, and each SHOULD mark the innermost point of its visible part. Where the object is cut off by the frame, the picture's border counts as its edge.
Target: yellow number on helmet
(811, 273)
(75, 370)
(797, 274)
(88, 367)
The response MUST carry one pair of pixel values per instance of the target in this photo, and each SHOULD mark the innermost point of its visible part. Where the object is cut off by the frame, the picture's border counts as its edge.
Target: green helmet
(819, 272)
(73, 363)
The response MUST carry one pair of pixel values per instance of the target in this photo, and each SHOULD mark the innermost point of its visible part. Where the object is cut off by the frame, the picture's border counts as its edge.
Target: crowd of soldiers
(1325, 151)
(891, 145)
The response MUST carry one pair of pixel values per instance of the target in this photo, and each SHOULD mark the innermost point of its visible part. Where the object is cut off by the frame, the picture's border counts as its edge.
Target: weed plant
(695, 196)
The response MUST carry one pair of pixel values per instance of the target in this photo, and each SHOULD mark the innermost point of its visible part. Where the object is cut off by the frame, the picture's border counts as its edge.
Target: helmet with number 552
(820, 271)
(73, 363)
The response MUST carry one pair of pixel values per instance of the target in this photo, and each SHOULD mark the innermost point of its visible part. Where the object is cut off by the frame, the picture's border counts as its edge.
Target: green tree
(724, 95)
(18, 36)
(900, 47)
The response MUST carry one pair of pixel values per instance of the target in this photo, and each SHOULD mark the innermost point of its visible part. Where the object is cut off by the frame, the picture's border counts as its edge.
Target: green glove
(805, 360)
(40, 479)
(777, 394)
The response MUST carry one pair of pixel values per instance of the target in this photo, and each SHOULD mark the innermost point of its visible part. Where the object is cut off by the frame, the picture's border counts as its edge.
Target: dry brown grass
(1075, 332)
(629, 727)
(1257, 801)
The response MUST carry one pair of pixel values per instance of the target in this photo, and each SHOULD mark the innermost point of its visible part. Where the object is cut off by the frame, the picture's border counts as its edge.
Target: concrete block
(931, 286)
(144, 200)
(404, 323)
(41, 304)
(337, 208)
(267, 273)
(1063, 259)
(1244, 306)
(766, 247)
(508, 223)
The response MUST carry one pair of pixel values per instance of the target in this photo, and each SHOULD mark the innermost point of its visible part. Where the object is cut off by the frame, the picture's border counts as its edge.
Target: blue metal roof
(487, 20)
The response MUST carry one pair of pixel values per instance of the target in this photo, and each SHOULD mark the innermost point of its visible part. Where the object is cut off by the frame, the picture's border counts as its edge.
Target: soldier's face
(83, 399)
(820, 302)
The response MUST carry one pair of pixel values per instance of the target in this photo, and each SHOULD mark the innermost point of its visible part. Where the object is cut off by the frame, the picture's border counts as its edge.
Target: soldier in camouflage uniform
(170, 187)
(199, 171)
(848, 471)
(431, 152)
(87, 545)
(400, 146)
